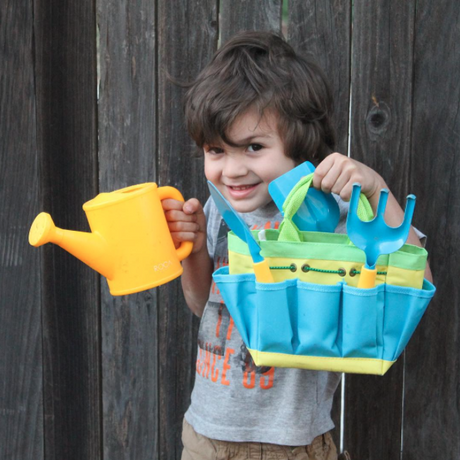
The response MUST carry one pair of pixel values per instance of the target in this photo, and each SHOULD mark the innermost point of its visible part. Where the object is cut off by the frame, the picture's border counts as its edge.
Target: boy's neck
(267, 210)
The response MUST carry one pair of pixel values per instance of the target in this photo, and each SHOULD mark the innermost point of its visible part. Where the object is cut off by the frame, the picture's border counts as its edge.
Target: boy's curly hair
(261, 69)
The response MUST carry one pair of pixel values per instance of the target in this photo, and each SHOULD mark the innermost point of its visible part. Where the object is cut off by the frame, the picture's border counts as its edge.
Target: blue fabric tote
(313, 316)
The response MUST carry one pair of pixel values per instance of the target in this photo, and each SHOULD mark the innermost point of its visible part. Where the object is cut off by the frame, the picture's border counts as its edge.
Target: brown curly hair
(261, 69)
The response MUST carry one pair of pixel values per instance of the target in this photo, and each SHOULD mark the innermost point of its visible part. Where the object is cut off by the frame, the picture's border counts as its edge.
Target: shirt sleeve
(421, 236)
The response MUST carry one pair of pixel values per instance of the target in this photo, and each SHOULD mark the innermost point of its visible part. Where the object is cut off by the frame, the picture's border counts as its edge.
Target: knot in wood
(378, 118)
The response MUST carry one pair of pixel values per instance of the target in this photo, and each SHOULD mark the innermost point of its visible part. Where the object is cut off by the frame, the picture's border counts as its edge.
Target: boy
(257, 110)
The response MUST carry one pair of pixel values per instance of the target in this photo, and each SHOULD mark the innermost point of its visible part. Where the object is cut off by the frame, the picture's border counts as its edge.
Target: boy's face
(242, 173)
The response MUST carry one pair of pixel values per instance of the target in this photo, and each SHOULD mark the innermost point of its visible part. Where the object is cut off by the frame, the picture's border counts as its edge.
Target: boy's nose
(234, 167)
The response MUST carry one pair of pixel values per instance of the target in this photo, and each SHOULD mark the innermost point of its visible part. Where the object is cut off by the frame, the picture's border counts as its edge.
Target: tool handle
(262, 272)
(367, 278)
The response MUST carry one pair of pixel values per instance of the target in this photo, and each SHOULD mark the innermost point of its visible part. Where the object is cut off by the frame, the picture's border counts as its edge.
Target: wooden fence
(86, 106)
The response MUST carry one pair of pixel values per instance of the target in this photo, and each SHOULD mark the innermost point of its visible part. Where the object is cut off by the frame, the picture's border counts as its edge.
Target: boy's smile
(242, 172)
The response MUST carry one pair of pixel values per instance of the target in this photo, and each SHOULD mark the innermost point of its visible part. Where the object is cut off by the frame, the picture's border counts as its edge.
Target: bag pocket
(239, 294)
(404, 308)
(276, 323)
(317, 315)
(362, 322)
(296, 318)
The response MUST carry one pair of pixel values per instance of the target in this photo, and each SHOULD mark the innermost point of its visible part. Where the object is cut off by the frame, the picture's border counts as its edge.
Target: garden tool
(318, 213)
(239, 227)
(129, 243)
(376, 237)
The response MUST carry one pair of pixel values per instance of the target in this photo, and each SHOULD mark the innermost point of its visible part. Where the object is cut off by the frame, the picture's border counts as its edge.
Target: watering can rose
(130, 243)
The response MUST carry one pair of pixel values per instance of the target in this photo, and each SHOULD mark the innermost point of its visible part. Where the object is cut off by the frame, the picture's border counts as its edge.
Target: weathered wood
(382, 88)
(323, 29)
(187, 39)
(80, 383)
(431, 405)
(21, 370)
(127, 156)
(66, 117)
(238, 15)
(381, 125)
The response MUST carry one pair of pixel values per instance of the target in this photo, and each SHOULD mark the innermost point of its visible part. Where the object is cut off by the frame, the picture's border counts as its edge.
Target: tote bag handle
(288, 230)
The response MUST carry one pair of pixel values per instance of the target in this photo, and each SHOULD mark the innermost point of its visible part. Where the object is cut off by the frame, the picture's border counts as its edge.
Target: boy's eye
(215, 150)
(255, 147)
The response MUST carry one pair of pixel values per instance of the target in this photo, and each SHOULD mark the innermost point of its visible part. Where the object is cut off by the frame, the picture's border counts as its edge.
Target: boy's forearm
(196, 280)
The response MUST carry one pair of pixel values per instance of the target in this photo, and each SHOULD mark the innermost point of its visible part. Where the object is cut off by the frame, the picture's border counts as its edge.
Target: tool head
(376, 237)
(235, 222)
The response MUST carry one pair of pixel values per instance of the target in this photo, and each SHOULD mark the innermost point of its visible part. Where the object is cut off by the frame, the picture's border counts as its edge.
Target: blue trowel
(241, 230)
(318, 213)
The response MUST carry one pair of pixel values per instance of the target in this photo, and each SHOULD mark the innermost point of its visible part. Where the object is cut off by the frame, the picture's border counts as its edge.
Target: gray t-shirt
(235, 400)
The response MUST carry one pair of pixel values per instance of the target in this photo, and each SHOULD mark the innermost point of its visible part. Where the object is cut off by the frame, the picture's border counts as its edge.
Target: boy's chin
(245, 207)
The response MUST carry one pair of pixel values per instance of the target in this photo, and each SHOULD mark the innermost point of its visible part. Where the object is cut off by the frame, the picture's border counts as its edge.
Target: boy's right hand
(186, 222)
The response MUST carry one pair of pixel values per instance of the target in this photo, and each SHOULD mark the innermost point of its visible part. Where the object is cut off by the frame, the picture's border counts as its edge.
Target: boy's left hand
(337, 173)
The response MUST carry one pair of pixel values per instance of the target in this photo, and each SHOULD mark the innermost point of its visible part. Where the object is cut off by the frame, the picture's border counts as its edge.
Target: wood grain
(127, 156)
(85, 375)
(66, 119)
(188, 33)
(431, 405)
(66, 77)
(21, 369)
(382, 48)
(323, 29)
(382, 89)
(239, 15)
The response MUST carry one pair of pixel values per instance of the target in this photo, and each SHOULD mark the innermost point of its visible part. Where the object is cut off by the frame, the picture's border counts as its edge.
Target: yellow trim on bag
(319, 363)
(329, 246)
(239, 264)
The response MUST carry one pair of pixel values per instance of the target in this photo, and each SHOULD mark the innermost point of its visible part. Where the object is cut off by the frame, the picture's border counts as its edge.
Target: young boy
(257, 110)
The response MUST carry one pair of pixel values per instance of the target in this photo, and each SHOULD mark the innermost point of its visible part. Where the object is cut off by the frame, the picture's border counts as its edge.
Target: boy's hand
(337, 173)
(186, 222)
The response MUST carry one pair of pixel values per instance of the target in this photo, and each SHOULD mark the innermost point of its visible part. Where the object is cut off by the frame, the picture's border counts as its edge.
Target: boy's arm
(337, 173)
(187, 222)
(196, 280)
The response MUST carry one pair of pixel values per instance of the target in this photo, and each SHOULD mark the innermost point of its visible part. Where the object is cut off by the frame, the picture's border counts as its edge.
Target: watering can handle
(185, 247)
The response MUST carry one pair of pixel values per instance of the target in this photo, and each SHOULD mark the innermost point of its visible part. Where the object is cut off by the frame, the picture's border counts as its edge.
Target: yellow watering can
(130, 243)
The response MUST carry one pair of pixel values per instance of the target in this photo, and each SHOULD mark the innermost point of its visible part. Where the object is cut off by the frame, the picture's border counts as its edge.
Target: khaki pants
(198, 447)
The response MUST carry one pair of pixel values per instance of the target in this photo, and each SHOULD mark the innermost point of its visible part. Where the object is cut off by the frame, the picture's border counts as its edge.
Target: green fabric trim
(288, 230)
(328, 246)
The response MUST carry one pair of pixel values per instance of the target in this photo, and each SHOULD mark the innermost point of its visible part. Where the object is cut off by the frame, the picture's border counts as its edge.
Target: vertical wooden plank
(127, 155)
(238, 15)
(188, 33)
(66, 107)
(323, 29)
(21, 371)
(382, 89)
(381, 124)
(432, 412)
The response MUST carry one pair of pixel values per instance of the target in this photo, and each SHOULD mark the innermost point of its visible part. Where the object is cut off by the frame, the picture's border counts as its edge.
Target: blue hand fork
(376, 237)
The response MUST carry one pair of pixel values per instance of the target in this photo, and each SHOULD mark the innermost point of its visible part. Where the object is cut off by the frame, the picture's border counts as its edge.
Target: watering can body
(130, 243)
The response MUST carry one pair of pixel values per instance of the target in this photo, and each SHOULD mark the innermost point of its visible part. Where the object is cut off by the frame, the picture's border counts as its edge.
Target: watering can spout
(90, 248)
(130, 243)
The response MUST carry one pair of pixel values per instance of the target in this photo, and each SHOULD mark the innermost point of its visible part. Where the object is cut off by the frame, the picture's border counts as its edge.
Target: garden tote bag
(314, 316)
